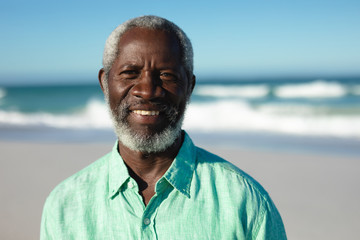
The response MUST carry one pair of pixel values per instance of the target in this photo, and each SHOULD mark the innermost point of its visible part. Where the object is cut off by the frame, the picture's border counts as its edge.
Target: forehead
(155, 40)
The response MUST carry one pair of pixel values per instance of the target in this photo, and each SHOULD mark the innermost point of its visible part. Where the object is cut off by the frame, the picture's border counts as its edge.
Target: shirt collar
(118, 173)
(179, 174)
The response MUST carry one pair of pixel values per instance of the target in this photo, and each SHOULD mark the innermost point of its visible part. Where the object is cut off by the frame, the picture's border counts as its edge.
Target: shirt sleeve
(47, 227)
(269, 225)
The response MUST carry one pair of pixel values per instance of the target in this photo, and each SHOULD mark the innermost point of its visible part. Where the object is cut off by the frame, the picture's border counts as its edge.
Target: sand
(317, 195)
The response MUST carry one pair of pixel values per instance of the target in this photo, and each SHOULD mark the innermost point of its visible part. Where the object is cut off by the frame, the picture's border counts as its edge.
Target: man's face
(148, 88)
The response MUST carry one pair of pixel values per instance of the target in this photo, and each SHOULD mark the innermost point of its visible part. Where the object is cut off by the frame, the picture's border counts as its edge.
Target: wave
(94, 115)
(250, 91)
(221, 116)
(231, 116)
(316, 89)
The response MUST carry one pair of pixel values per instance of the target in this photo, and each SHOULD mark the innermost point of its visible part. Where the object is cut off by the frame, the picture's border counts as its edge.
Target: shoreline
(252, 141)
(311, 191)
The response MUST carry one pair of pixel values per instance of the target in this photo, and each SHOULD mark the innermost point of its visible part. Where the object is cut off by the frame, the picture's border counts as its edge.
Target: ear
(101, 77)
(192, 83)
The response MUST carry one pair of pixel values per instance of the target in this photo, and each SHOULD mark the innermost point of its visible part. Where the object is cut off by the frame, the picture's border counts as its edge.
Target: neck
(142, 163)
(147, 168)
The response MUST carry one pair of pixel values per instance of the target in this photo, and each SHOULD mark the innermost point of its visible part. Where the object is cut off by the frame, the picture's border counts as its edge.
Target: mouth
(146, 112)
(146, 117)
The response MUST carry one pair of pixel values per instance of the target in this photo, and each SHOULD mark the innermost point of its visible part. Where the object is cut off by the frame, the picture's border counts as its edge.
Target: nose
(148, 86)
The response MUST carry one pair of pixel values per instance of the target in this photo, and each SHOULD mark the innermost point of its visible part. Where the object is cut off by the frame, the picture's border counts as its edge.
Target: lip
(146, 112)
(146, 116)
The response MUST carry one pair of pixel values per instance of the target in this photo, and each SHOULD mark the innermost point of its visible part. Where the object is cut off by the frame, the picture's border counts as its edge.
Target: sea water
(316, 110)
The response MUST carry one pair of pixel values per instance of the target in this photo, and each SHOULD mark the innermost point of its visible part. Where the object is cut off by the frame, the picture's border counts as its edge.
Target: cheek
(177, 92)
(117, 94)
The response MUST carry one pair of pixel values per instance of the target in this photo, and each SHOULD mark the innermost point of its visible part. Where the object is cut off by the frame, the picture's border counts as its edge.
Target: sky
(62, 41)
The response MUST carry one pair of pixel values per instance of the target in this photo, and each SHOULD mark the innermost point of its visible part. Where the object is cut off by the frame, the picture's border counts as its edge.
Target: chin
(149, 141)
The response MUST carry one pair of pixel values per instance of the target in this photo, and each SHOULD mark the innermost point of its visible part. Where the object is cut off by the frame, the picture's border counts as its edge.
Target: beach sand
(317, 195)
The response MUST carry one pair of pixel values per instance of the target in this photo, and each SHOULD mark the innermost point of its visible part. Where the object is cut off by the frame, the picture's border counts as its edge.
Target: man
(155, 184)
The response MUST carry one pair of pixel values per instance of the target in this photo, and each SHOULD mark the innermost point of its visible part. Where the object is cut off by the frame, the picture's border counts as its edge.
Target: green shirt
(201, 196)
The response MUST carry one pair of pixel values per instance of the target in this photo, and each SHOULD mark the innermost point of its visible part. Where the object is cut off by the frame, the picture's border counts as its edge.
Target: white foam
(231, 116)
(250, 91)
(316, 89)
(95, 115)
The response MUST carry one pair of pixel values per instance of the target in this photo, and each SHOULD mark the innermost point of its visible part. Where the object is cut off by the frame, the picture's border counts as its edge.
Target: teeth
(146, 113)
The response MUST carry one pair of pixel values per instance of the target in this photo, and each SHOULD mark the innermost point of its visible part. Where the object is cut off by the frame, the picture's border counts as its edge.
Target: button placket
(149, 211)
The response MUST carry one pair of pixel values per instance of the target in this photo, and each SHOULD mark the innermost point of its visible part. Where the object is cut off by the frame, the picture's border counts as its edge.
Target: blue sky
(50, 41)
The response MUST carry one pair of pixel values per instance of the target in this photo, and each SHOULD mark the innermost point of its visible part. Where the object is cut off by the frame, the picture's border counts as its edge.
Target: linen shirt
(201, 196)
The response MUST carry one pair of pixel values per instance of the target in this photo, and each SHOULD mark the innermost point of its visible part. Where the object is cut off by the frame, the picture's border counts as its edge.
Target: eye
(129, 74)
(167, 76)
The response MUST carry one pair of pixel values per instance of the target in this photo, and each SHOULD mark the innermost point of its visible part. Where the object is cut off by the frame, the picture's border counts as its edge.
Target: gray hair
(149, 22)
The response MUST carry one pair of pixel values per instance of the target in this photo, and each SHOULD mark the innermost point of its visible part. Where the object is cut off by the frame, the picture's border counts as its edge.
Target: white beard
(155, 143)
(136, 141)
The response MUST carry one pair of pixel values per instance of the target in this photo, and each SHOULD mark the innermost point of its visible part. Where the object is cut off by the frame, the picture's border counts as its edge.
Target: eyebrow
(129, 65)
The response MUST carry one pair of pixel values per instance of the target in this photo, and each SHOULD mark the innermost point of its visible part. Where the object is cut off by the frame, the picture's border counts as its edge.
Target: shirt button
(130, 185)
(146, 221)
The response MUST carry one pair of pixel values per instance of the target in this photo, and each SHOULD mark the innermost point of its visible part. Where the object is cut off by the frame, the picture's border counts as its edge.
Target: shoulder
(73, 197)
(228, 172)
(79, 183)
(239, 192)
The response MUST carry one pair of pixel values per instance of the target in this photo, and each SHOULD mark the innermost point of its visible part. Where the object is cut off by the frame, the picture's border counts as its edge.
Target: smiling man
(155, 184)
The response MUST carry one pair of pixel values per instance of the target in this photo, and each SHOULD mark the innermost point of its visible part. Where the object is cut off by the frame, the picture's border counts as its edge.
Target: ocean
(292, 114)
